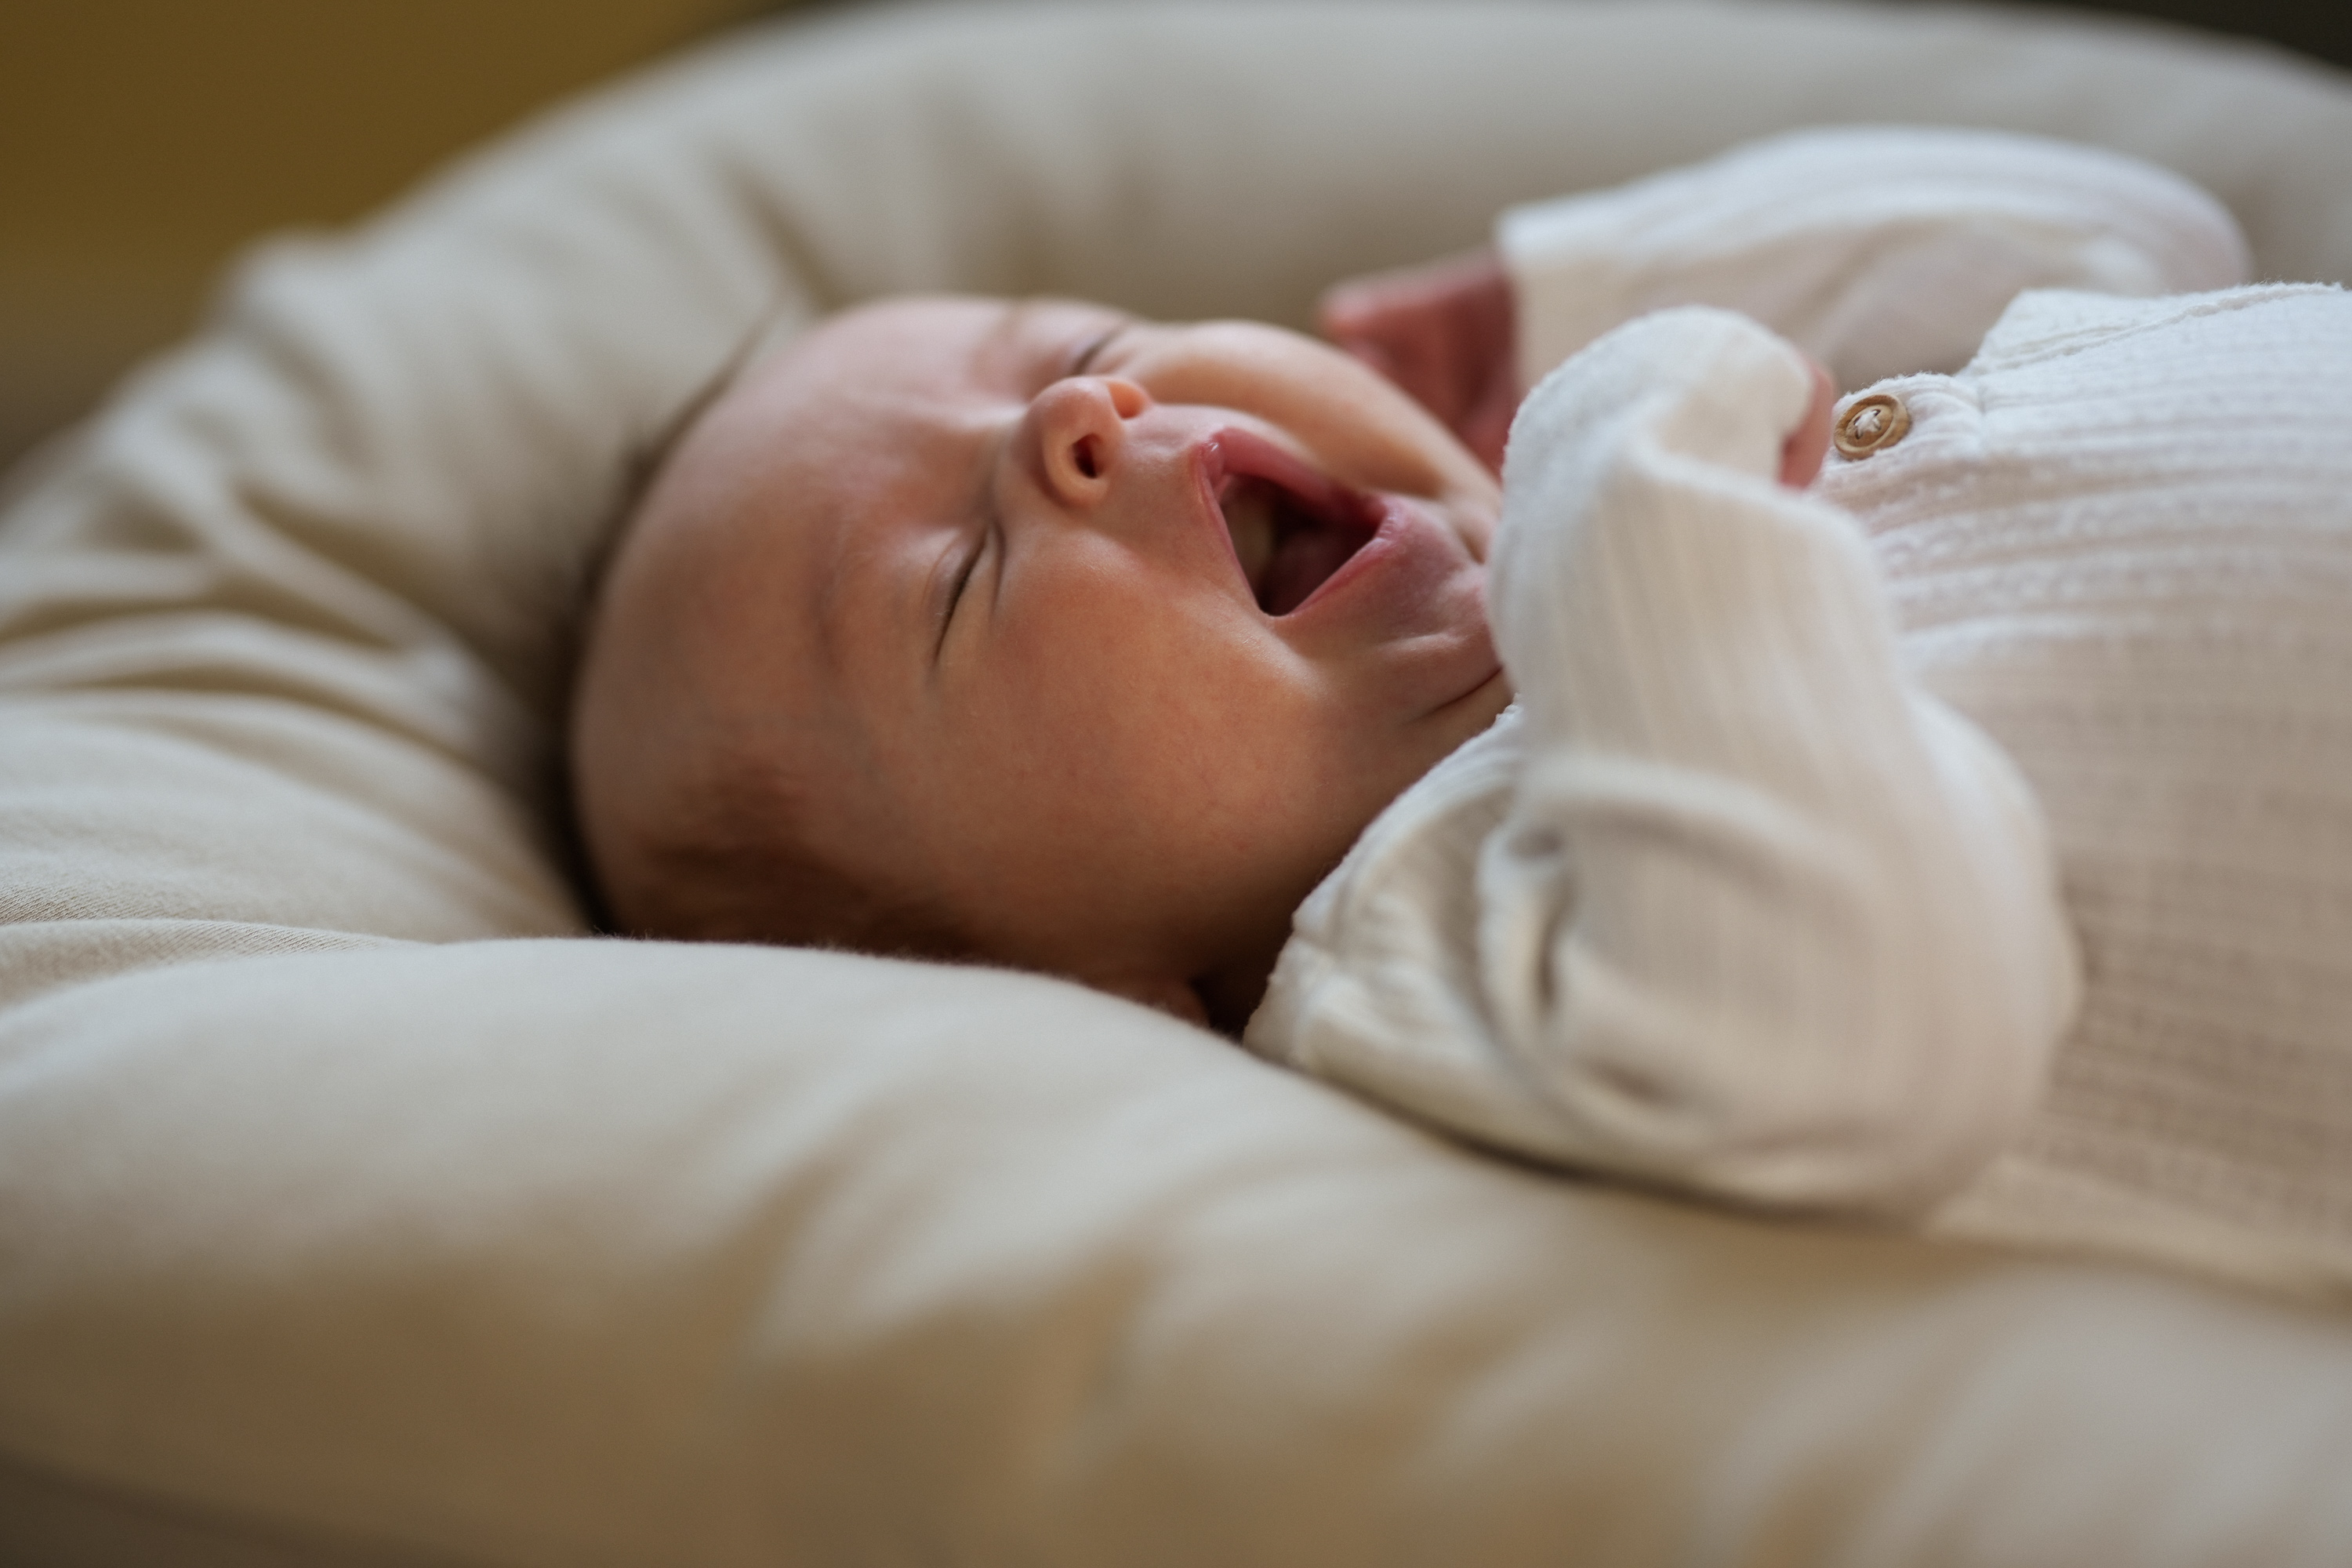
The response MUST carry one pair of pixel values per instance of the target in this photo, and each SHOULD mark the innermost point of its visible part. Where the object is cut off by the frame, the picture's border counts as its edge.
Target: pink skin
(1808, 446)
(1445, 333)
(957, 573)
(963, 565)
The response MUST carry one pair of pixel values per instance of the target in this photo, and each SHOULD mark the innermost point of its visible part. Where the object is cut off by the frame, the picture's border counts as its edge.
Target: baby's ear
(1171, 996)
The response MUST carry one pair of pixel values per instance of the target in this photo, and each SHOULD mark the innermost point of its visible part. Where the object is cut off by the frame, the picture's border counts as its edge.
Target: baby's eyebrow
(1085, 358)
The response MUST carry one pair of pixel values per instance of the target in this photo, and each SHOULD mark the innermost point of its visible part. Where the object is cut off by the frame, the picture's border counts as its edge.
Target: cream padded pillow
(336, 1224)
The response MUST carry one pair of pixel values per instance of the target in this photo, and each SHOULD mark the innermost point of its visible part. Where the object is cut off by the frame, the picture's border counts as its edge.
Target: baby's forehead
(893, 340)
(826, 463)
(946, 346)
(876, 407)
(851, 446)
(863, 406)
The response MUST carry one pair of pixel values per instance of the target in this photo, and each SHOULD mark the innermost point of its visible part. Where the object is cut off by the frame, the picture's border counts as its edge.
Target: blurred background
(144, 141)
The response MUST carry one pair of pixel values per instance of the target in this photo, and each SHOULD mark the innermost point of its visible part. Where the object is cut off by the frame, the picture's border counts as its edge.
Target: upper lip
(1317, 522)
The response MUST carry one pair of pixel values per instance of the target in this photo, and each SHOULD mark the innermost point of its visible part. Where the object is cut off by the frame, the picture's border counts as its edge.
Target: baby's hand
(1443, 332)
(1808, 446)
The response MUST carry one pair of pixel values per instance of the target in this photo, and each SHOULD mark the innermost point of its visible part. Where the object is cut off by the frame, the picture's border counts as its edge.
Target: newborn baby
(1039, 634)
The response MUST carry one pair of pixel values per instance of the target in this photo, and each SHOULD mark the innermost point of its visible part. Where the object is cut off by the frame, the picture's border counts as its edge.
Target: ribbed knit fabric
(1742, 901)
(2122, 542)
(1879, 250)
(1759, 917)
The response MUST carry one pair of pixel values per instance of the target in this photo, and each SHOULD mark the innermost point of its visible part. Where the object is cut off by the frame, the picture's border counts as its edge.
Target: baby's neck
(1232, 994)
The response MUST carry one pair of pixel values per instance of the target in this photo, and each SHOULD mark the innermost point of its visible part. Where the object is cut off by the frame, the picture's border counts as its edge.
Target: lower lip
(1410, 555)
(1414, 580)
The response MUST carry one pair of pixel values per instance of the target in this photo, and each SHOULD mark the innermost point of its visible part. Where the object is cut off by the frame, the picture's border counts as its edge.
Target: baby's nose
(1080, 427)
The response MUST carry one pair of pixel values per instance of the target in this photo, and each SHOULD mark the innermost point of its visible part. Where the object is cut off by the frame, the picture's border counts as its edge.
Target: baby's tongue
(1250, 519)
(1301, 563)
(1284, 553)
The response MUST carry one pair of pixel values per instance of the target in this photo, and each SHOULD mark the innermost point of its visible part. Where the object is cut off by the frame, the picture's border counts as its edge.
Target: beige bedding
(355, 1206)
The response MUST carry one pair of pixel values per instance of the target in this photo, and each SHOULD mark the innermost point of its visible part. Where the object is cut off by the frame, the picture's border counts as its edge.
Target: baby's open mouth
(1292, 527)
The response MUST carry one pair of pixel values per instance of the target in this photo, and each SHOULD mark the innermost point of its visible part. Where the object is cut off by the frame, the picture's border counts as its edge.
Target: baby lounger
(357, 1206)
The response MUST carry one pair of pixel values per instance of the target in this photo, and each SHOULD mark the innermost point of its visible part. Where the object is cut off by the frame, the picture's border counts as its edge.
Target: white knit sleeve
(1880, 250)
(1764, 920)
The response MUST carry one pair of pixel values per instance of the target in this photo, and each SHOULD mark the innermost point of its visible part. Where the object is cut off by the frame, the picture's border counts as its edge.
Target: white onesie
(1965, 842)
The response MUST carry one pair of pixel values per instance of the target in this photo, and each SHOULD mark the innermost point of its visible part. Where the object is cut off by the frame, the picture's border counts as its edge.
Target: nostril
(1082, 452)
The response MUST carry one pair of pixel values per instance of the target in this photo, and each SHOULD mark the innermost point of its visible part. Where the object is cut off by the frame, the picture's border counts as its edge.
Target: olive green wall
(142, 141)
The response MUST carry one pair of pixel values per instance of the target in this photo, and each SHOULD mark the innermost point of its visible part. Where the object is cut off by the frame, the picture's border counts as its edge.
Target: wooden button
(1873, 422)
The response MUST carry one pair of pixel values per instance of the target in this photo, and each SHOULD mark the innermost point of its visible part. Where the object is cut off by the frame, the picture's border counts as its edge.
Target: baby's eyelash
(954, 597)
(1093, 348)
(964, 574)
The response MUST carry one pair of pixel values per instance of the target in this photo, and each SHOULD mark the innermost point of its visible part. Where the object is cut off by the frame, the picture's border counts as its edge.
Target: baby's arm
(1766, 920)
(1879, 250)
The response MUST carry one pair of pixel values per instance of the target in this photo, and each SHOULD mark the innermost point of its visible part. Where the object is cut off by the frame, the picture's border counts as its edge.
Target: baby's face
(1108, 635)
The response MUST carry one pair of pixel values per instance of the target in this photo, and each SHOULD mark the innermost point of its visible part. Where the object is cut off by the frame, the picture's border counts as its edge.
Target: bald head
(935, 634)
(711, 754)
